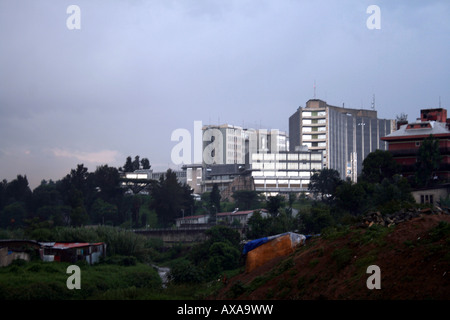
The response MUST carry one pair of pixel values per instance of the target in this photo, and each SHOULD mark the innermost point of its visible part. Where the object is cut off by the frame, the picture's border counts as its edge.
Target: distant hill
(413, 257)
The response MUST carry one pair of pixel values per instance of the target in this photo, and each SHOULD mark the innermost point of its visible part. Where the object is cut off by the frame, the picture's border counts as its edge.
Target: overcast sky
(138, 70)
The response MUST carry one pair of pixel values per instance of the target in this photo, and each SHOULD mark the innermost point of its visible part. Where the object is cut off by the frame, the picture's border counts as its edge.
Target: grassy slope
(414, 259)
(39, 280)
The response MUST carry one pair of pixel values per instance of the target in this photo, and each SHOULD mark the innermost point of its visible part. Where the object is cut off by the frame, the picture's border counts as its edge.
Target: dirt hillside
(413, 257)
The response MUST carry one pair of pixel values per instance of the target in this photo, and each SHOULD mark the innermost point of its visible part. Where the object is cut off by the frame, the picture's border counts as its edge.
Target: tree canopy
(170, 198)
(325, 183)
(379, 165)
(428, 161)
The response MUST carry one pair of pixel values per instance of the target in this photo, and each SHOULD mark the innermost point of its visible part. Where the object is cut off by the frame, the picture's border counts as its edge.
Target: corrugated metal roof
(192, 217)
(238, 212)
(437, 128)
(69, 245)
(221, 214)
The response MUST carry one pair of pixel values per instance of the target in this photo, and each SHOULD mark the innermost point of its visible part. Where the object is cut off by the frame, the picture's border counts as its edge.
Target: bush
(223, 256)
(441, 231)
(118, 241)
(223, 233)
(185, 272)
(317, 219)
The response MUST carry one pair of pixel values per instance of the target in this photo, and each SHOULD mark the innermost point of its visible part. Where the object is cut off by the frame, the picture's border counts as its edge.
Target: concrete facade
(344, 135)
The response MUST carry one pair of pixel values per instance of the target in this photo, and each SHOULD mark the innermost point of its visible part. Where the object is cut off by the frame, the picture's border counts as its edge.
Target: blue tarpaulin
(253, 244)
(249, 246)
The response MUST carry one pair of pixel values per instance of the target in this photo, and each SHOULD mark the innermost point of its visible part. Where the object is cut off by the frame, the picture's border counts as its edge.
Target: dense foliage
(85, 198)
(208, 260)
(59, 211)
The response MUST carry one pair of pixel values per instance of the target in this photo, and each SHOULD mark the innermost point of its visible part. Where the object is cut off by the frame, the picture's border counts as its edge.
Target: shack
(12, 249)
(73, 251)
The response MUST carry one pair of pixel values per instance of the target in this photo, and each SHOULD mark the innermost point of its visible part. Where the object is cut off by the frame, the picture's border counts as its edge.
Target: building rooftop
(419, 129)
(236, 213)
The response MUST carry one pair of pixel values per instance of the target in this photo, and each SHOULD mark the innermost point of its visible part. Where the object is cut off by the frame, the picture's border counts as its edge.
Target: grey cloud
(138, 70)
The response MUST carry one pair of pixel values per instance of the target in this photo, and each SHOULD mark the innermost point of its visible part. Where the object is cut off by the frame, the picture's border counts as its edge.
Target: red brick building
(405, 142)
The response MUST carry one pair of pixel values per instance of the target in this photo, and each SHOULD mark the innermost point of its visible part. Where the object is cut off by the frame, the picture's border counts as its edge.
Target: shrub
(223, 256)
(441, 231)
(185, 272)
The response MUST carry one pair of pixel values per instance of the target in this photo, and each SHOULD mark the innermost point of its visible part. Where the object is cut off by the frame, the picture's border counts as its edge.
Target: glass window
(281, 166)
(304, 156)
(269, 166)
(304, 165)
(315, 156)
(293, 166)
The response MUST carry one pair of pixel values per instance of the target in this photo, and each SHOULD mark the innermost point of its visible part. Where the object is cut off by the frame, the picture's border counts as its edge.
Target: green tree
(325, 183)
(379, 165)
(428, 161)
(76, 188)
(318, 218)
(352, 197)
(56, 215)
(223, 233)
(292, 197)
(258, 226)
(136, 163)
(13, 215)
(106, 181)
(78, 215)
(274, 203)
(128, 166)
(3, 185)
(391, 195)
(246, 199)
(222, 256)
(18, 190)
(145, 163)
(184, 271)
(214, 197)
(46, 194)
(221, 251)
(169, 198)
(103, 212)
(77, 178)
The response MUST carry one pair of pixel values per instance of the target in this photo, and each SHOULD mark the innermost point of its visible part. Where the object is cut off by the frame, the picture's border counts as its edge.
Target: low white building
(284, 172)
(239, 216)
(223, 217)
(192, 220)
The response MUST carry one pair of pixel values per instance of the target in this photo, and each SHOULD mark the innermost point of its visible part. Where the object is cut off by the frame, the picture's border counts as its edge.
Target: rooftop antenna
(373, 102)
(314, 89)
(439, 102)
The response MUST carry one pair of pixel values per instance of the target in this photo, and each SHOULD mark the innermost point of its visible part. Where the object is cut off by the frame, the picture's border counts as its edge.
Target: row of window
(313, 129)
(286, 166)
(307, 156)
(314, 136)
(314, 113)
(315, 144)
(314, 121)
(305, 174)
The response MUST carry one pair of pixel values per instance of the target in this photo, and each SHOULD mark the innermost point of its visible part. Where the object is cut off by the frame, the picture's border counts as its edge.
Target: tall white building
(229, 144)
(345, 136)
